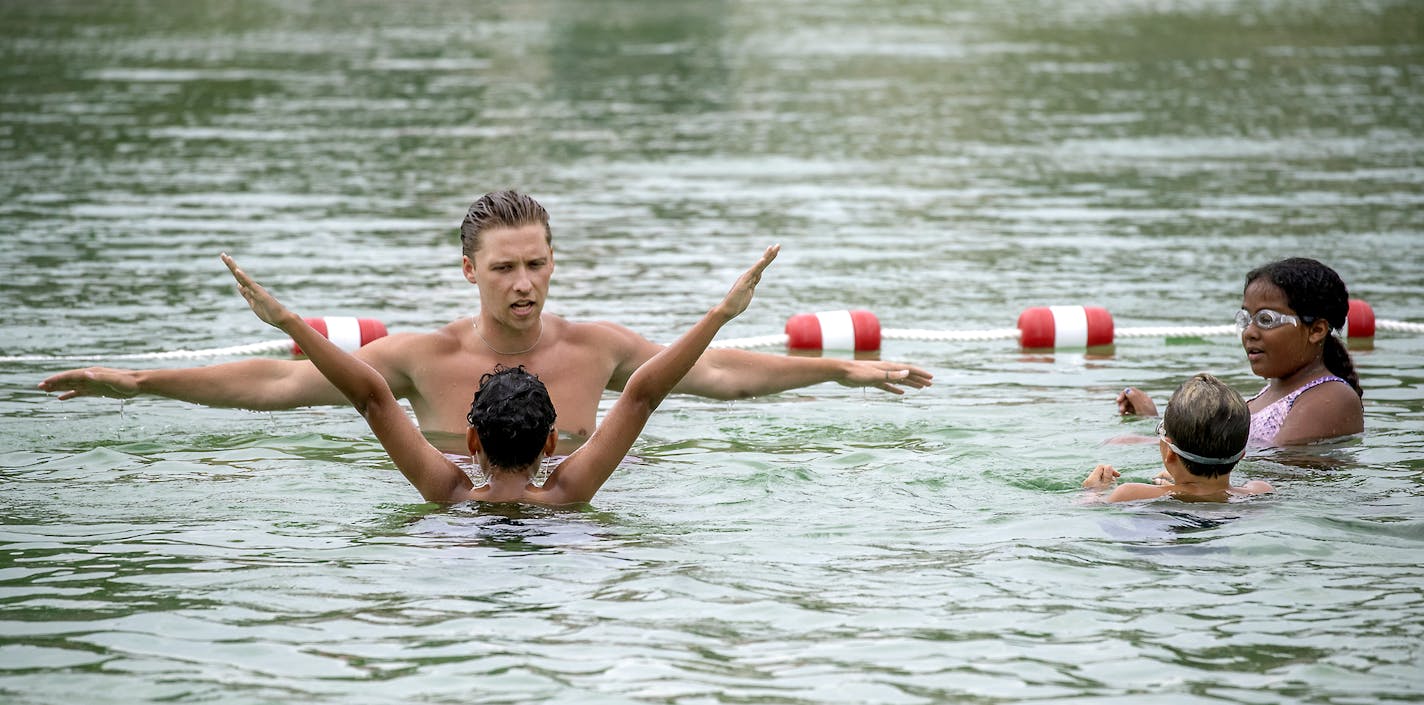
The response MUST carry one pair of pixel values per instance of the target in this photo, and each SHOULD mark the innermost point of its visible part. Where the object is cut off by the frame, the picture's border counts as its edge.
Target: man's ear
(552, 442)
(468, 267)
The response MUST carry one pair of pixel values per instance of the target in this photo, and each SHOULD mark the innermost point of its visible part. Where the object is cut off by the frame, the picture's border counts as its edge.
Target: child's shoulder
(1253, 487)
(1130, 491)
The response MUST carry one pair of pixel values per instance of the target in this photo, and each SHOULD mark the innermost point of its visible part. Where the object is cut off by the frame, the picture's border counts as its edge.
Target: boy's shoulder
(1254, 487)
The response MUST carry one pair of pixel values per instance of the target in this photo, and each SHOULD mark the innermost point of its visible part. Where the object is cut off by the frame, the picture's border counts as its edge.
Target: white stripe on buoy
(1070, 326)
(347, 332)
(837, 330)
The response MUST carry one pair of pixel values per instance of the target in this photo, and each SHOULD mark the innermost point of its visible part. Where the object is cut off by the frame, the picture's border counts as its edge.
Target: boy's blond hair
(1207, 418)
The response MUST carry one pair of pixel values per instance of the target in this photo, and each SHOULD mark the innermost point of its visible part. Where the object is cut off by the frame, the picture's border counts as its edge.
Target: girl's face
(1286, 349)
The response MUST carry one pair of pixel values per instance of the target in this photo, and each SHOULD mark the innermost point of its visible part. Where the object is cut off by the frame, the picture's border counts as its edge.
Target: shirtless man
(509, 256)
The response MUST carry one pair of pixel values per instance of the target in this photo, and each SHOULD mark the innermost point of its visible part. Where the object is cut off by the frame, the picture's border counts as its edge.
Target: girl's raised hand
(266, 306)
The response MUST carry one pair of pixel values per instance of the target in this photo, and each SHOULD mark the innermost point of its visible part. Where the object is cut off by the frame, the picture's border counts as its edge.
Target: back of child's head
(512, 414)
(1208, 419)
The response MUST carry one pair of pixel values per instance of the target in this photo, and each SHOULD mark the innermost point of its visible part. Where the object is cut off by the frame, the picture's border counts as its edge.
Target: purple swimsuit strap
(1267, 422)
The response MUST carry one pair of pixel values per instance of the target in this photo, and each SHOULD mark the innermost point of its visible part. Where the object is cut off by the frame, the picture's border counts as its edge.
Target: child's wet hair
(512, 414)
(1207, 418)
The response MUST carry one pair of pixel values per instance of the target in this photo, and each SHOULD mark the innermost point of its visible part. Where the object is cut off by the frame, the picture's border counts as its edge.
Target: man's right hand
(92, 382)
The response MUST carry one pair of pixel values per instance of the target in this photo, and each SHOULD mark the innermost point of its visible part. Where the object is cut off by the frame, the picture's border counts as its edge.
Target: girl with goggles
(1289, 312)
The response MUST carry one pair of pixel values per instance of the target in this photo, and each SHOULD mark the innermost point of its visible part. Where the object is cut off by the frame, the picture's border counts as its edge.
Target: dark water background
(944, 164)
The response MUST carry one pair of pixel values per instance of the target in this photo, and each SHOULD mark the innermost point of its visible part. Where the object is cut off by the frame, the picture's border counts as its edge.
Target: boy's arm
(428, 469)
(1102, 477)
(1135, 401)
(1102, 486)
(579, 476)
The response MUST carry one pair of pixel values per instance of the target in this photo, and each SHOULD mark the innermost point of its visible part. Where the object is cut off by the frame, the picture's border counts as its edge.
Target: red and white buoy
(857, 330)
(347, 332)
(1065, 327)
(1360, 322)
(1039, 328)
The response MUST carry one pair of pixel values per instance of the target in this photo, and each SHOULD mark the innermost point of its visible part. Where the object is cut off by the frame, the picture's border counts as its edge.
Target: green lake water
(944, 164)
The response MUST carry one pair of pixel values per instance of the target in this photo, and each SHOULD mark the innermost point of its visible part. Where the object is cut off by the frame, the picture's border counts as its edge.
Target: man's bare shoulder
(445, 335)
(619, 350)
(605, 335)
(444, 340)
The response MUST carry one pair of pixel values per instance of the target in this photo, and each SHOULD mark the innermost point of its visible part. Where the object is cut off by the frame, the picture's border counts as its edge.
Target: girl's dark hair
(1315, 291)
(512, 414)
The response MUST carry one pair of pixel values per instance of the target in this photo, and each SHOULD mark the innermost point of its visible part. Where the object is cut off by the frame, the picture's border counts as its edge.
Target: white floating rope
(347, 332)
(264, 348)
(1399, 326)
(1038, 328)
(1044, 327)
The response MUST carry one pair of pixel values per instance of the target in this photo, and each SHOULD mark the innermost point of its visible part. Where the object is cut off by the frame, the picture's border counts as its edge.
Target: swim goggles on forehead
(1162, 436)
(1266, 319)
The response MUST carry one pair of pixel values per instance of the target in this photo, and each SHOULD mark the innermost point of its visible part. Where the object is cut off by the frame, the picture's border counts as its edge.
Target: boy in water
(1201, 436)
(512, 419)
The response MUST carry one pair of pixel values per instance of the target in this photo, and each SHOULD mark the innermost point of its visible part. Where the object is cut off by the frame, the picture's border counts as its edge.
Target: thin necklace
(476, 323)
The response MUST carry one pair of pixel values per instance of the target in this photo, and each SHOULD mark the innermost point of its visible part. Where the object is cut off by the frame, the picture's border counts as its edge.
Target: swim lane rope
(1047, 327)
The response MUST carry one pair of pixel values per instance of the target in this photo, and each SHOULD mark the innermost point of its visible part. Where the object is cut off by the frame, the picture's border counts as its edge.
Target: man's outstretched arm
(258, 384)
(737, 374)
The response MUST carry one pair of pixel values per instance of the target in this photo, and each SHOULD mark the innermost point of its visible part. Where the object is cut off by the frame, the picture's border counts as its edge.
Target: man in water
(509, 256)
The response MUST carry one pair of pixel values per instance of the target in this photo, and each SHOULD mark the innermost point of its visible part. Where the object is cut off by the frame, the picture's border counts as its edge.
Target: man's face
(512, 270)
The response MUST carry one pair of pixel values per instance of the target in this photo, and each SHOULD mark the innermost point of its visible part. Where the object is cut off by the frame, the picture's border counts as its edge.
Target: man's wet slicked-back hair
(512, 414)
(1207, 418)
(501, 209)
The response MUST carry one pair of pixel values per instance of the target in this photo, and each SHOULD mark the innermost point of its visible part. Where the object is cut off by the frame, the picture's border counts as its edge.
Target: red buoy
(1360, 322)
(1065, 327)
(348, 333)
(857, 330)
